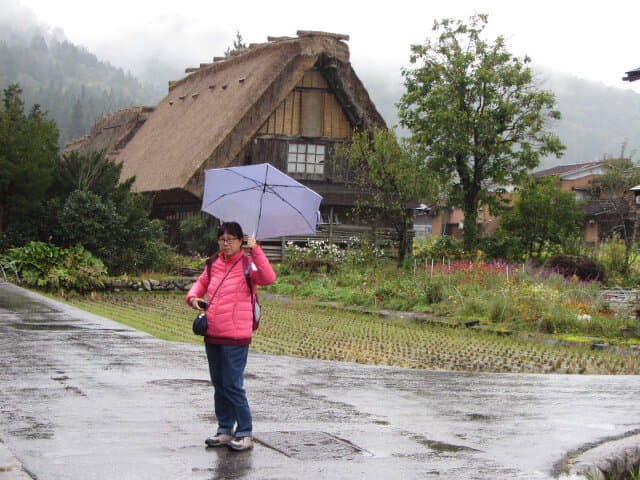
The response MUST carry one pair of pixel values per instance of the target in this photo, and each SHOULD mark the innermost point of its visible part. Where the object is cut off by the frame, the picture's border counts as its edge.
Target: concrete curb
(10, 466)
(611, 460)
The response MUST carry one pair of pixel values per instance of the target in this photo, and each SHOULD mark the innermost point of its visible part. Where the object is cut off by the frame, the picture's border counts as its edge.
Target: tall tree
(391, 175)
(28, 151)
(476, 113)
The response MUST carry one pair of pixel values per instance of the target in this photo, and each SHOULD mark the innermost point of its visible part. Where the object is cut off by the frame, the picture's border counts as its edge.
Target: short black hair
(231, 228)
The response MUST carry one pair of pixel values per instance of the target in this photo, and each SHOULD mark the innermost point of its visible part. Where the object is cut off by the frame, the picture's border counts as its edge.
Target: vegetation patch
(306, 330)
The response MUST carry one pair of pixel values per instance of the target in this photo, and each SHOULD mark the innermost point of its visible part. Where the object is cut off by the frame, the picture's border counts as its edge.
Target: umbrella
(264, 201)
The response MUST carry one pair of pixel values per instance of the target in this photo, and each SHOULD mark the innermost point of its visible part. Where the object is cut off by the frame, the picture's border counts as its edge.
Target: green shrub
(121, 234)
(159, 257)
(49, 267)
(499, 247)
(612, 256)
(439, 248)
(199, 234)
(432, 293)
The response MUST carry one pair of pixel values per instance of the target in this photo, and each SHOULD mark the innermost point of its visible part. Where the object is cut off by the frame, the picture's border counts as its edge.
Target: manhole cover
(309, 445)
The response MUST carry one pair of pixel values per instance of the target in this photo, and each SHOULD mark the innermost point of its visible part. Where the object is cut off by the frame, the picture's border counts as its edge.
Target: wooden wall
(310, 110)
(274, 150)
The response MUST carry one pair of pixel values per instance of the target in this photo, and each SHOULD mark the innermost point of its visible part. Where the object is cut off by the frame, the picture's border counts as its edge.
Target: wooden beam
(278, 39)
(311, 33)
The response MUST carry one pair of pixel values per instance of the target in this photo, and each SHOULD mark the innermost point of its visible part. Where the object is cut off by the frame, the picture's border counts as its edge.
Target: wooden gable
(310, 110)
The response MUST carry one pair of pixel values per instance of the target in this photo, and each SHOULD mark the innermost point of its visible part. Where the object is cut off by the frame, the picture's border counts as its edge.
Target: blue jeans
(226, 366)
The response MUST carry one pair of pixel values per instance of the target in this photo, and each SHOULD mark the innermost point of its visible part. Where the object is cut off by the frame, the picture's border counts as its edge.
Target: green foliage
(121, 235)
(476, 113)
(50, 267)
(71, 200)
(89, 206)
(499, 246)
(611, 255)
(238, 45)
(28, 149)
(390, 174)
(515, 297)
(439, 249)
(543, 219)
(200, 234)
(620, 174)
(93, 172)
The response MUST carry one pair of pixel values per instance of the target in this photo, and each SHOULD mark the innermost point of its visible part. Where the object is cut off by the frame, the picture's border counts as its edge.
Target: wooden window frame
(307, 160)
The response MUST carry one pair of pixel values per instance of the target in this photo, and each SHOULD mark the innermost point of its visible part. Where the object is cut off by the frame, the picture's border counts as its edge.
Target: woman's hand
(195, 303)
(251, 242)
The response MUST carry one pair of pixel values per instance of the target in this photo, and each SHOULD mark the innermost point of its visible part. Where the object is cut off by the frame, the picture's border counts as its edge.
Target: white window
(305, 158)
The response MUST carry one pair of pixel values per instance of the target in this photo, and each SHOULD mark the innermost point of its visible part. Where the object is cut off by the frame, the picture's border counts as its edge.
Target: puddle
(43, 326)
(441, 447)
(381, 422)
(19, 303)
(46, 319)
(478, 417)
(36, 431)
(310, 445)
(179, 382)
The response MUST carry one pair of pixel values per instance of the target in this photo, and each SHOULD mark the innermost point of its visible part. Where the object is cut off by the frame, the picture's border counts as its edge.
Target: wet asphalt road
(83, 397)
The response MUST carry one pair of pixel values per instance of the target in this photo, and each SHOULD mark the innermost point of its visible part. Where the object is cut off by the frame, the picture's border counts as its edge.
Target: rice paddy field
(304, 329)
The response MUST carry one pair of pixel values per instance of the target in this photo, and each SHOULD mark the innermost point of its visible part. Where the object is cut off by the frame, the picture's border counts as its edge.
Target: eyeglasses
(226, 241)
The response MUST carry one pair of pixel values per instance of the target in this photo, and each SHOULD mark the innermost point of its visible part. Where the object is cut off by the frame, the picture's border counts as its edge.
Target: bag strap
(210, 300)
(247, 276)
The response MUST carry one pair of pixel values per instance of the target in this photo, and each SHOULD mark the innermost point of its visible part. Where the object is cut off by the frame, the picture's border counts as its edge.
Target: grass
(306, 330)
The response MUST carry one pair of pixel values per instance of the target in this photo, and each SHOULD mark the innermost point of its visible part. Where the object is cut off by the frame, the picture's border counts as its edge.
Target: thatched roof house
(288, 102)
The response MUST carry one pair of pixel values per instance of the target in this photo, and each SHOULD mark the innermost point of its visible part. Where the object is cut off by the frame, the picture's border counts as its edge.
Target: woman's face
(229, 244)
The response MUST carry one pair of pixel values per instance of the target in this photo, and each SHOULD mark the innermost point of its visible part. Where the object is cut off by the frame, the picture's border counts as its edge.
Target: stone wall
(181, 284)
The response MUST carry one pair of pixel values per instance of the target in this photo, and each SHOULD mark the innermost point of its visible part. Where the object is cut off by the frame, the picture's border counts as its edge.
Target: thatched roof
(210, 115)
(112, 132)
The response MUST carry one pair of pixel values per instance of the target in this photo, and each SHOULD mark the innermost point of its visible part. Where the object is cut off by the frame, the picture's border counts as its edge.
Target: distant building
(576, 178)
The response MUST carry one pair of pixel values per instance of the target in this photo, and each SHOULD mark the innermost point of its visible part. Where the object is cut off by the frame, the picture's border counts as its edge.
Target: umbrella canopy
(264, 201)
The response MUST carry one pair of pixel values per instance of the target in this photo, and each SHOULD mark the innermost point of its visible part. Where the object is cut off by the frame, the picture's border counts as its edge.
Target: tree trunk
(4, 213)
(470, 234)
(404, 247)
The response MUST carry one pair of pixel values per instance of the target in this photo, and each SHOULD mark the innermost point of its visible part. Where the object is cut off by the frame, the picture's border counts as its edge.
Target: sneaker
(241, 443)
(219, 440)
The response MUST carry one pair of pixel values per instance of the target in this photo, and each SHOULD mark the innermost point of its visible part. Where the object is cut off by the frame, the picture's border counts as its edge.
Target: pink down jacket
(230, 315)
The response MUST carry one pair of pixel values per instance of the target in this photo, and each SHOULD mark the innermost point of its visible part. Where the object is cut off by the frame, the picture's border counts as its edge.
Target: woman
(229, 329)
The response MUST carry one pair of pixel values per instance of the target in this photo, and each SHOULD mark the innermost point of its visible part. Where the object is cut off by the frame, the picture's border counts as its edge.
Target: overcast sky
(592, 40)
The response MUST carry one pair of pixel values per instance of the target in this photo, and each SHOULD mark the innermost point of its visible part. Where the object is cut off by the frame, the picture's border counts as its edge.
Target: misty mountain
(597, 120)
(67, 81)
